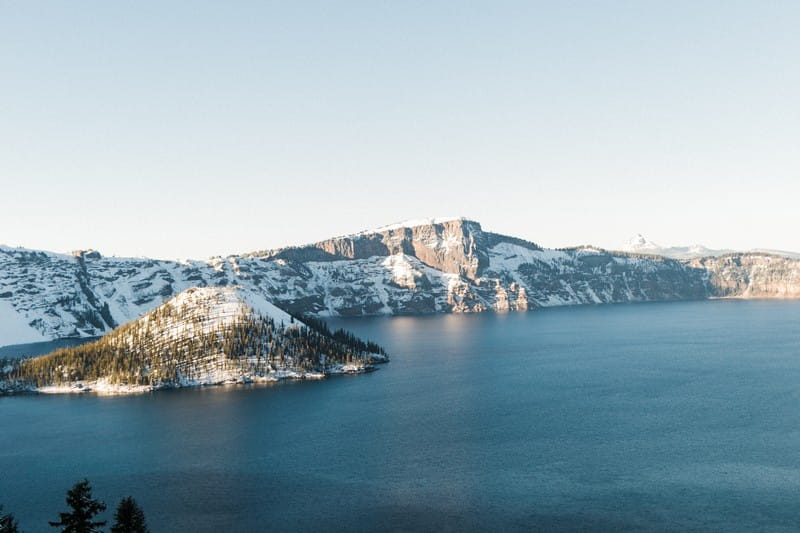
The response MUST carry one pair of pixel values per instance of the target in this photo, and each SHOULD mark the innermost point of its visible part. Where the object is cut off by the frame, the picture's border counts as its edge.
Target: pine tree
(129, 517)
(84, 509)
(7, 522)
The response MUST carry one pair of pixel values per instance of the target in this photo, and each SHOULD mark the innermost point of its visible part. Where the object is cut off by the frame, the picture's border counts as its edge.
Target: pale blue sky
(187, 129)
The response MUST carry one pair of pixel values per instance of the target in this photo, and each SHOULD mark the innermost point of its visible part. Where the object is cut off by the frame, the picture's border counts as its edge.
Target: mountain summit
(638, 243)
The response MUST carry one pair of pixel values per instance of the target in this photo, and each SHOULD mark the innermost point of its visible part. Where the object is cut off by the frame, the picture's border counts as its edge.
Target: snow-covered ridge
(410, 223)
(406, 224)
(441, 266)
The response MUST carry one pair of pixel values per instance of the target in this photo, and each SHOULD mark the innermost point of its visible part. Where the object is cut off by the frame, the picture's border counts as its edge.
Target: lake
(666, 416)
(15, 351)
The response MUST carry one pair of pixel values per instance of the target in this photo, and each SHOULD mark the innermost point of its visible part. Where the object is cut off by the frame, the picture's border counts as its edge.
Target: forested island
(203, 336)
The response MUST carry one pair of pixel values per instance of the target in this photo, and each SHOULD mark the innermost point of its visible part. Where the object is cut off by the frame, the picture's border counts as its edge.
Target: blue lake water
(667, 416)
(14, 351)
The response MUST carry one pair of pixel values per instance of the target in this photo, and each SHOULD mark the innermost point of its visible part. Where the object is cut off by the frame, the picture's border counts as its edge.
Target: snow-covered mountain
(640, 245)
(428, 266)
(202, 336)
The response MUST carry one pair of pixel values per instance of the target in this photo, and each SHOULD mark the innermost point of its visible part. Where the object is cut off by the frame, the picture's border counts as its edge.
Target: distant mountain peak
(639, 242)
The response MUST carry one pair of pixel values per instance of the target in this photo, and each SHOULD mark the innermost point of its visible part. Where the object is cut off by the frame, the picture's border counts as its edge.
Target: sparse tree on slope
(84, 509)
(129, 517)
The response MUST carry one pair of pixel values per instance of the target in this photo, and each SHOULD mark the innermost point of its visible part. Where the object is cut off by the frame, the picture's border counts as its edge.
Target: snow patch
(14, 328)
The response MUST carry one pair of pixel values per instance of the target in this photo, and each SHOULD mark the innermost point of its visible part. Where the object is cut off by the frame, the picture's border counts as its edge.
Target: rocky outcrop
(753, 275)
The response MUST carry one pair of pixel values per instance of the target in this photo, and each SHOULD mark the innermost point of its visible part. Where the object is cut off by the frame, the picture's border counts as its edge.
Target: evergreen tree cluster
(176, 343)
(82, 513)
(8, 524)
(342, 335)
(83, 509)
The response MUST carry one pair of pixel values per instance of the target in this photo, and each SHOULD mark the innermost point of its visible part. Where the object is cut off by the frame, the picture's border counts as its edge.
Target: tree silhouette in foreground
(129, 517)
(84, 509)
(7, 522)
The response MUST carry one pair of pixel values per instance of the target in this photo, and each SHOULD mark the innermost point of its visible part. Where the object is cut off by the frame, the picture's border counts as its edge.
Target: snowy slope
(14, 328)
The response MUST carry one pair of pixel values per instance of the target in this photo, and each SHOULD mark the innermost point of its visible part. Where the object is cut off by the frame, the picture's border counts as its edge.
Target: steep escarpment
(202, 336)
(753, 275)
(453, 246)
(428, 266)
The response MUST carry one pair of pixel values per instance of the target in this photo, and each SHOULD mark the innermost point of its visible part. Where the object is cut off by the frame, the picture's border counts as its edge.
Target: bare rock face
(522, 298)
(456, 246)
(754, 275)
(509, 297)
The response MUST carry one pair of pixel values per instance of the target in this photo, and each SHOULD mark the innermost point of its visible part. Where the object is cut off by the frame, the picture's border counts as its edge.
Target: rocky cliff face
(754, 275)
(428, 267)
(454, 246)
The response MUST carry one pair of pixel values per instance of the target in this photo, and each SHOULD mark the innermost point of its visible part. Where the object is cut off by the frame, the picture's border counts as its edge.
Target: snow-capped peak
(639, 242)
(700, 249)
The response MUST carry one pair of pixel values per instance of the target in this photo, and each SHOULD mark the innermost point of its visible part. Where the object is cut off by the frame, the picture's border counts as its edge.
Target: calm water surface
(646, 417)
(39, 348)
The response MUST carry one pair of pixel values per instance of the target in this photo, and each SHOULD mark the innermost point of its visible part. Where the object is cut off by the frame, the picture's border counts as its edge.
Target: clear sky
(189, 129)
